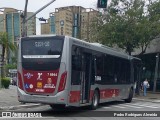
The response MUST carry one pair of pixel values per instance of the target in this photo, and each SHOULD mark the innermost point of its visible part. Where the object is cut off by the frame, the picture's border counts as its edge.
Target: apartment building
(1, 22)
(11, 22)
(71, 20)
(88, 17)
(63, 21)
(45, 28)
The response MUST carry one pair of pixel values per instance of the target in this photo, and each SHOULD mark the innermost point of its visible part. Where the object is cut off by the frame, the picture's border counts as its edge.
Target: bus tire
(129, 99)
(95, 100)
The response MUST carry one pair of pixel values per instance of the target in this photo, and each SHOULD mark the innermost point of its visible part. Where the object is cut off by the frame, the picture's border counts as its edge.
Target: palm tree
(6, 45)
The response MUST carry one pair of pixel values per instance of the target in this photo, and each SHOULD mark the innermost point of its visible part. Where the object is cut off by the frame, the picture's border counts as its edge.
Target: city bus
(65, 71)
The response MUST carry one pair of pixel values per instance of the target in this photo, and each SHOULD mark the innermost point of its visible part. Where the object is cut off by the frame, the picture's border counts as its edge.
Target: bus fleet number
(52, 74)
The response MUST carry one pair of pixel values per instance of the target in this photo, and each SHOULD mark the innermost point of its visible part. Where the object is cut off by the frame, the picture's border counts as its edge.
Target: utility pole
(24, 27)
(156, 72)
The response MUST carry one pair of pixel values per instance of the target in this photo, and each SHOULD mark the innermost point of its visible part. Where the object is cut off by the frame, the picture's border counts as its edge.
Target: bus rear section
(41, 70)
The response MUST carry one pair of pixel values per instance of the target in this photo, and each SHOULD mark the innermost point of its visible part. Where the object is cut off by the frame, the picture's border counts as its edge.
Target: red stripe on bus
(109, 93)
(104, 94)
(74, 96)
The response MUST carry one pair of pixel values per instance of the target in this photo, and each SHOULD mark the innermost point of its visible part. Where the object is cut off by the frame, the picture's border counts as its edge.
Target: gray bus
(65, 71)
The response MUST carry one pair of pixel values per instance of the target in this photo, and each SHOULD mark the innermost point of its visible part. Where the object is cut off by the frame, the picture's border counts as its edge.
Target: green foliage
(5, 42)
(6, 47)
(5, 82)
(11, 66)
(130, 24)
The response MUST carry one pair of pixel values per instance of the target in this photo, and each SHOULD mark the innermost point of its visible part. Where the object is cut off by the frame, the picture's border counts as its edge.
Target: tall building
(88, 17)
(45, 28)
(52, 25)
(63, 21)
(71, 20)
(11, 22)
(1, 22)
(66, 21)
(31, 25)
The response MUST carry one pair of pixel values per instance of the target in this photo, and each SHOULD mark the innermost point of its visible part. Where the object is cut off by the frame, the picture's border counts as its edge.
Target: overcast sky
(34, 5)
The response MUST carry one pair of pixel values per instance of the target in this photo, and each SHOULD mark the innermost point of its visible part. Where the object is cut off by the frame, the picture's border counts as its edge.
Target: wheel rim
(95, 100)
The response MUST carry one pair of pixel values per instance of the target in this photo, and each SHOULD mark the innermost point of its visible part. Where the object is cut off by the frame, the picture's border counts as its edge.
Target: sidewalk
(9, 99)
(151, 97)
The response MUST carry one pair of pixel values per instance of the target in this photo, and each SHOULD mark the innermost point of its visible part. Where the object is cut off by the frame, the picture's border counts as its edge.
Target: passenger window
(76, 64)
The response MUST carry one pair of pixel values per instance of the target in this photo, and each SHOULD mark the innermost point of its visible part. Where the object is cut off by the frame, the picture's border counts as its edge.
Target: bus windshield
(41, 53)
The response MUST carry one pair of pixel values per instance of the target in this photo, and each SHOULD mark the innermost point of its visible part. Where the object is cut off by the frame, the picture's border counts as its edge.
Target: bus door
(86, 77)
(80, 77)
(76, 76)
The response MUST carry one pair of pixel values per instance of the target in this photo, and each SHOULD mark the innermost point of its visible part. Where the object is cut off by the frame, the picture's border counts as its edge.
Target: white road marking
(118, 106)
(134, 105)
(130, 106)
(146, 105)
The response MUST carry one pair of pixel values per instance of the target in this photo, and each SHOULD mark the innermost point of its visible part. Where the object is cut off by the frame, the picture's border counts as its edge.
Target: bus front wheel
(129, 99)
(95, 100)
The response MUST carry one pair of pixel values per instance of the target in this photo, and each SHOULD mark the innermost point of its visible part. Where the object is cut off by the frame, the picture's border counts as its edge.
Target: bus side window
(99, 62)
(99, 69)
(77, 62)
(76, 65)
(109, 69)
(128, 73)
(125, 72)
(118, 70)
(93, 72)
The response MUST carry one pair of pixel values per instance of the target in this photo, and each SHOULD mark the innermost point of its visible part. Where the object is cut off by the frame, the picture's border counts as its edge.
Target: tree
(149, 25)
(6, 46)
(95, 28)
(131, 24)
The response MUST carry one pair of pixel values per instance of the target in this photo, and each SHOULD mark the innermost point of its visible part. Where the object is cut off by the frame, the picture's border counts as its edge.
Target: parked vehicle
(14, 81)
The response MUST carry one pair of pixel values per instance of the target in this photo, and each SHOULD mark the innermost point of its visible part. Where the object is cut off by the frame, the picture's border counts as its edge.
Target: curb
(147, 100)
(20, 106)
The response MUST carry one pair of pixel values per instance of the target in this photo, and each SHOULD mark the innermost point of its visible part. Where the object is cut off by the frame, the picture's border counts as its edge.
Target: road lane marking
(134, 105)
(119, 106)
(130, 106)
(115, 106)
(106, 107)
(146, 105)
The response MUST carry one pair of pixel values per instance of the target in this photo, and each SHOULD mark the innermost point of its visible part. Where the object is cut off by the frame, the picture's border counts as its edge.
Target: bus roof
(103, 48)
(94, 46)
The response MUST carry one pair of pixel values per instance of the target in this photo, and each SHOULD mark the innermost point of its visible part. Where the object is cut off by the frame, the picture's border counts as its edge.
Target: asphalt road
(118, 110)
(108, 111)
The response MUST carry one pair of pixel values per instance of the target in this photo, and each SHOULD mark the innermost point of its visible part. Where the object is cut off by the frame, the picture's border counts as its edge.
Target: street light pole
(28, 18)
(156, 72)
(24, 20)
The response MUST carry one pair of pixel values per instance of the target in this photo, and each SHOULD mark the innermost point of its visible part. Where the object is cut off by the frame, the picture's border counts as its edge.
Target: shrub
(5, 82)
